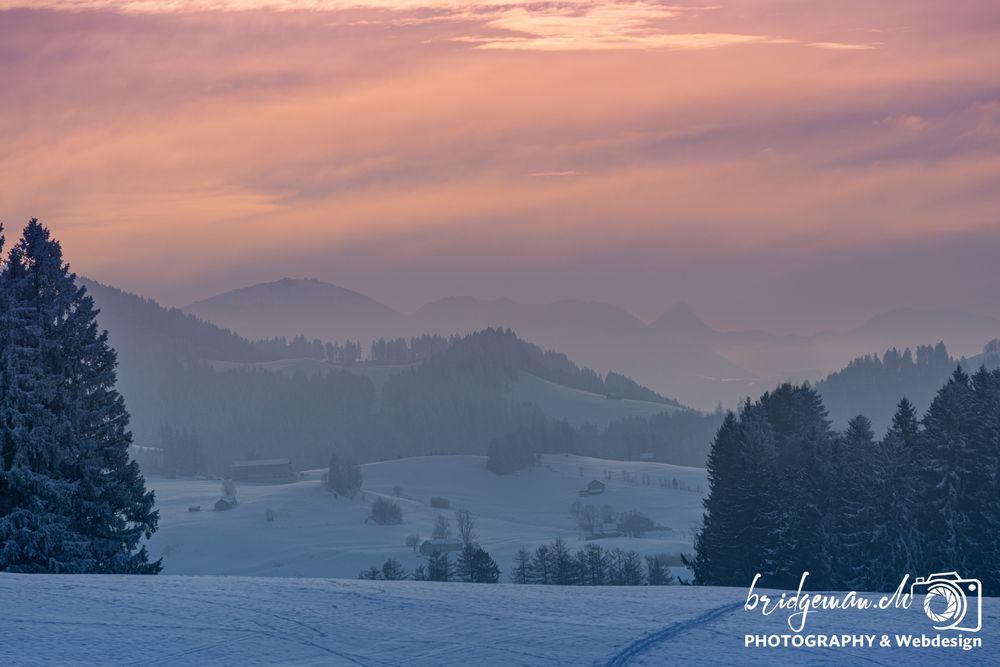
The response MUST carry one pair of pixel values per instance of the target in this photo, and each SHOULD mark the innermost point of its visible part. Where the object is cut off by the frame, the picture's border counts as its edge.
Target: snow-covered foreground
(315, 534)
(177, 620)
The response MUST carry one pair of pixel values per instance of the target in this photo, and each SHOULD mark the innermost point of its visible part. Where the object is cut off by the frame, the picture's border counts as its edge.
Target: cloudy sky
(789, 164)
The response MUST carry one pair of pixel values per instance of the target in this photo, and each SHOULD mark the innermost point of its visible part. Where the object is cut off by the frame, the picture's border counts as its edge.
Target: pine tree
(393, 571)
(438, 567)
(464, 565)
(343, 476)
(36, 531)
(715, 548)
(895, 539)
(759, 517)
(805, 476)
(946, 464)
(855, 507)
(657, 571)
(475, 565)
(981, 501)
(74, 502)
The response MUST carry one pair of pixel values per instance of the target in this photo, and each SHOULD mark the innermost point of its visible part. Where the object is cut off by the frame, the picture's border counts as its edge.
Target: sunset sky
(788, 164)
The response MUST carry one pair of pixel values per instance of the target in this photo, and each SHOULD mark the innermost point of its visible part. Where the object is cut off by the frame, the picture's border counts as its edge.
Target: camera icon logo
(953, 603)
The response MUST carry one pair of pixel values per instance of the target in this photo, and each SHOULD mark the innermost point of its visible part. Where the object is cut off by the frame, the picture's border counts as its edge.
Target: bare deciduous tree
(466, 526)
(442, 528)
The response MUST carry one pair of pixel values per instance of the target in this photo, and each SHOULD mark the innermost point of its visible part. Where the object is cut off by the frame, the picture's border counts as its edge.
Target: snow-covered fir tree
(946, 462)
(854, 513)
(856, 504)
(475, 565)
(895, 538)
(70, 498)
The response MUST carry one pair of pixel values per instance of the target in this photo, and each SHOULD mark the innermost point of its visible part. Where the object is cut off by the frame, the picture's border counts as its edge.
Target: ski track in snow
(640, 646)
(101, 621)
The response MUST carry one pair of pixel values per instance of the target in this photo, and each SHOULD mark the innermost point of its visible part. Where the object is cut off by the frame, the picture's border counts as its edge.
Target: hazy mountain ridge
(678, 354)
(276, 398)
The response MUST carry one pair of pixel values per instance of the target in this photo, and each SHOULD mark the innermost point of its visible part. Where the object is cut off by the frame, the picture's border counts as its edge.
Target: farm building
(263, 470)
(224, 503)
(439, 546)
(594, 488)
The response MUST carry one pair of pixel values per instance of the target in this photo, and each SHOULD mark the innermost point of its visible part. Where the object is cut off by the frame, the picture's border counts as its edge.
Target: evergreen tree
(895, 540)
(344, 476)
(657, 571)
(475, 565)
(464, 564)
(73, 501)
(715, 548)
(805, 474)
(393, 571)
(946, 465)
(438, 567)
(761, 518)
(744, 519)
(981, 504)
(855, 507)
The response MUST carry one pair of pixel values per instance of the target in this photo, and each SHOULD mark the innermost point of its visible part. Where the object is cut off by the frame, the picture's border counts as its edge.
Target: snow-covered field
(49, 620)
(576, 406)
(315, 534)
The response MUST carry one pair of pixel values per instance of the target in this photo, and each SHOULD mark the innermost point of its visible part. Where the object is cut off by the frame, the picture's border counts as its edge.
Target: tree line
(872, 385)
(789, 495)
(592, 565)
(549, 565)
(681, 437)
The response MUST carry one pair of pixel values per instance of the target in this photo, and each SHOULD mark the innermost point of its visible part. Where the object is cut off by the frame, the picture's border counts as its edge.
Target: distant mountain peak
(315, 308)
(681, 318)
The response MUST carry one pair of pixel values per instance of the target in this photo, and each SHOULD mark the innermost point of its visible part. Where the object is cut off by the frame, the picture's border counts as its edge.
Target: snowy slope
(576, 406)
(49, 620)
(316, 534)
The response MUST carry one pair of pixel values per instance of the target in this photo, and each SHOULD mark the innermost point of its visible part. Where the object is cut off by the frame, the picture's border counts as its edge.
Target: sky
(794, 165)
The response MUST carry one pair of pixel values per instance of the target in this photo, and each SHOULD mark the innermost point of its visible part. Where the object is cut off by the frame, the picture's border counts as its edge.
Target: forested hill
(455, 400)
(132, 319)
(135, 319)
(873, 385)
(496, 356)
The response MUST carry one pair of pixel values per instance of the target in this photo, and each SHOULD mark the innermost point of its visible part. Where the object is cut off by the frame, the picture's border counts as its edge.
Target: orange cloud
(172, 146)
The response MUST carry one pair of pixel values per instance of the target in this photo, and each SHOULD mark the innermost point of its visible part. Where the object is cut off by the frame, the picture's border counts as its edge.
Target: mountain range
(678, 354)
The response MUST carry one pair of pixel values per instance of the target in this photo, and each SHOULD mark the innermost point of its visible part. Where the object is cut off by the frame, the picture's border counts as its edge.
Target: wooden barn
(594, 488)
